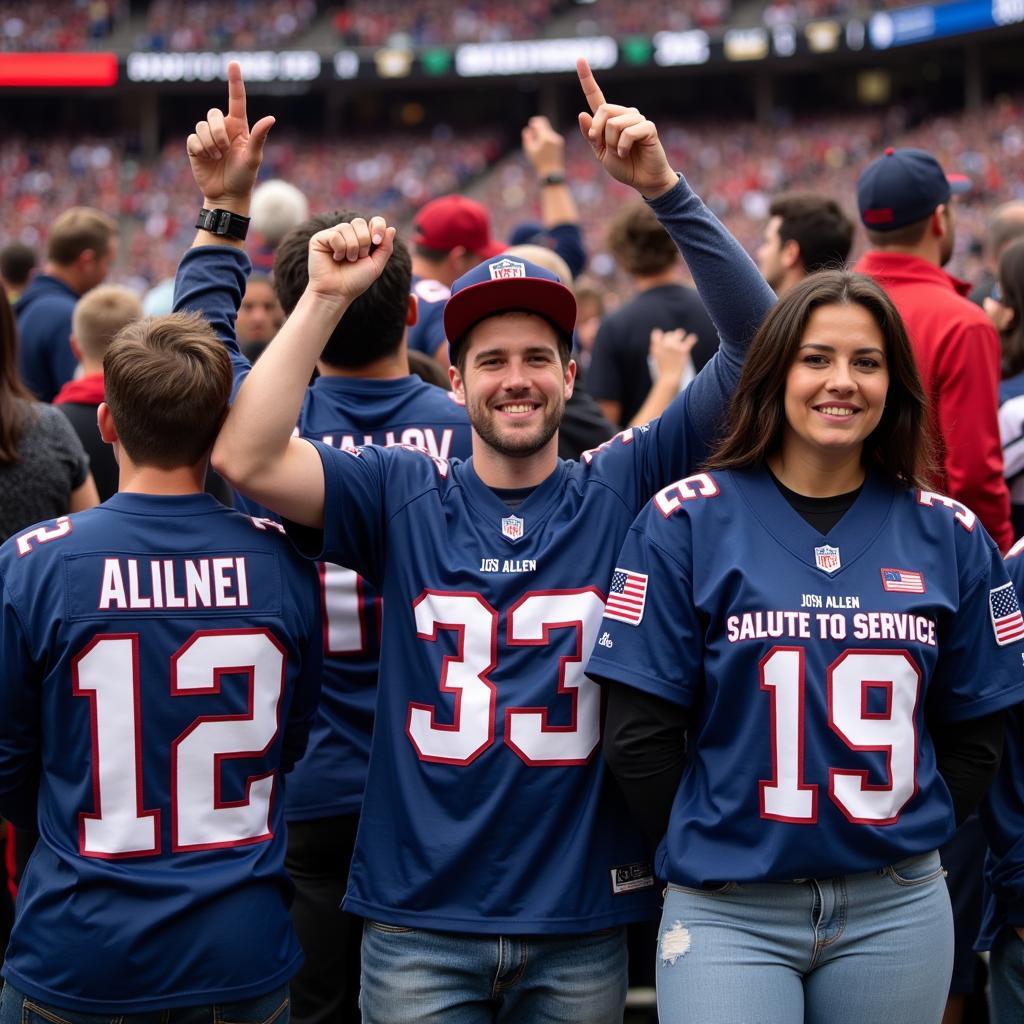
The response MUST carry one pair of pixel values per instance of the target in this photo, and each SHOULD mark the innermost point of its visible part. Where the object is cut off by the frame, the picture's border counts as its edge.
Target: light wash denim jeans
(420, 977)
(271, 1008)
(1006, 978)
(874, 947)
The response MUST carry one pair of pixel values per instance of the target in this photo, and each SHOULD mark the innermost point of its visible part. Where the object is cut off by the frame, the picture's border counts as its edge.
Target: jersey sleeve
(353, 533)
(19, 718)
(650, 637)
(306, 697)
(211, 280)
(981, 646)
(733, 291)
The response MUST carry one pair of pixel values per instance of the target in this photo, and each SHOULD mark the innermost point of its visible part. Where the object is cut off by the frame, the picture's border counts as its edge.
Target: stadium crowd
(873, 443)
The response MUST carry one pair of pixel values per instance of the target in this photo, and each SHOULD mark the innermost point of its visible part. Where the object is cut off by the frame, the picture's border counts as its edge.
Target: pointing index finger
(236, 91)
(588, 82)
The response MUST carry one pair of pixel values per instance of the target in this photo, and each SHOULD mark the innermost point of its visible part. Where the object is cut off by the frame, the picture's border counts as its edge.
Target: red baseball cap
(450, 221)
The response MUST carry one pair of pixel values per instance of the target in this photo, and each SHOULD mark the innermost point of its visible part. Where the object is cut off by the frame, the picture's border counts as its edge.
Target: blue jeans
(876, 946)
(425, 977)
(1006, 978)
(271, 1008)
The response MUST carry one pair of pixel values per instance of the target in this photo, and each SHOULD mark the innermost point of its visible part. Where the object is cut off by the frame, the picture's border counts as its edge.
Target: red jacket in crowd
(958, 357)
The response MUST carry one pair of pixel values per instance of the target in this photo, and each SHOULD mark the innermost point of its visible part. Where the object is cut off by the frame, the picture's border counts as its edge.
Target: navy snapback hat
(903, 186)
(507, 284)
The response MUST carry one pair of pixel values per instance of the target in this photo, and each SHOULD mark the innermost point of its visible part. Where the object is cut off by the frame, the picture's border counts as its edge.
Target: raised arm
(734, 293)
(225, 157)
(256, 452)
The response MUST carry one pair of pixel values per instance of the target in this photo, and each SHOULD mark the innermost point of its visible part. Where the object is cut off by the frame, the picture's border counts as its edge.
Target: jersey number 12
(107, 674)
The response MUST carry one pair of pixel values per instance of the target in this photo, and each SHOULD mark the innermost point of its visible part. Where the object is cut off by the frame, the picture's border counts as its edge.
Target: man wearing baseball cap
(904, 201)
(451, 235)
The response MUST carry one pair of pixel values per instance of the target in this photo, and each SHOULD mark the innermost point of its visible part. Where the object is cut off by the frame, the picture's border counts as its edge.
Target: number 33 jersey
(487, 809)
(161, 666)
(810, 664)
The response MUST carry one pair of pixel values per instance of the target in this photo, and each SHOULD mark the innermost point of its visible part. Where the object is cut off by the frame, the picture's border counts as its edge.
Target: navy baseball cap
(904, 186)
(507, 284)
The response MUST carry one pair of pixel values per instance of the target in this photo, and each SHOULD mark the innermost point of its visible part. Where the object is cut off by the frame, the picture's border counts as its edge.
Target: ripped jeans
(876, 946)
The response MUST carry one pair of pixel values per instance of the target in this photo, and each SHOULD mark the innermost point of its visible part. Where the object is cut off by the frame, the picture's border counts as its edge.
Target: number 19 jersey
(808, 662)
(161, 669)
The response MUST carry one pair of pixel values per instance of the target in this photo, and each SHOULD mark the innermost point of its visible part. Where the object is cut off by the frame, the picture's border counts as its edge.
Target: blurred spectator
(57, 26)
(277, 207)
(1005, 308)
(453, 234)
(81, 248)
(905, 203)
(17, 261)
(620, 371)
(590, 309)
(259, 317)
(44, 471)
(805, 233)
(428, 369)
(1005, 225)
(559, 226)
(430, 22)
(97, 317)
(221, 25)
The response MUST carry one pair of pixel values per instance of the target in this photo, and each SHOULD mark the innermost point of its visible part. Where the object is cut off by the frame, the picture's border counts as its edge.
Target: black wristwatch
(224, 223)
(555, 178)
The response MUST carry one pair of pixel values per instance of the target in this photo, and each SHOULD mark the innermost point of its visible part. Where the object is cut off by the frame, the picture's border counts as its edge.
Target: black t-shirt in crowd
(618, 368)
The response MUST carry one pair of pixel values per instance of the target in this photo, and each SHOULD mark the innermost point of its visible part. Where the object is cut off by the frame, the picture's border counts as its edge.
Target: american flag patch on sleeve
(627, 596)
(902, 581)
(1007, 621)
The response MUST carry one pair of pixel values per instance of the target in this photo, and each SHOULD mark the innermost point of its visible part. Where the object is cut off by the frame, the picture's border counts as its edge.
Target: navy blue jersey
(427, 334)
(342, 412)
(1002, 813)
(808, 662)
(487, 809)
(161, 670)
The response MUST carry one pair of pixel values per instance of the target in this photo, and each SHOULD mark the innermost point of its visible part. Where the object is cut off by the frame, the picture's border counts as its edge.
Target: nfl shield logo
(504, 269)
(826, 558)
(512, 528)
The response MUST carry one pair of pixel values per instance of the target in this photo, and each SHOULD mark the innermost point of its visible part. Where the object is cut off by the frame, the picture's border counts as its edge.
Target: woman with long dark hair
(833, 644)
(44, 471)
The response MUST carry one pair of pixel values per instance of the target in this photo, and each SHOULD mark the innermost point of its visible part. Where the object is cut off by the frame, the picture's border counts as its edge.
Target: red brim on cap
(959, 183)
(548, 299)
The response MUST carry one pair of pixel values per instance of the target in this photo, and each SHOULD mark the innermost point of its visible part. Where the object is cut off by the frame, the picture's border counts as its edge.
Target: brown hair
(903, 238)
(100, 314)
(1011, 284)
(167, 380)
(639, 243)
(77, 230)
(900, 446)
(818, 225)
(15, 409)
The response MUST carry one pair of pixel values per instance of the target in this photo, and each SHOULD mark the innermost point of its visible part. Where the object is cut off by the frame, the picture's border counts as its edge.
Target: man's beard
(513, 444)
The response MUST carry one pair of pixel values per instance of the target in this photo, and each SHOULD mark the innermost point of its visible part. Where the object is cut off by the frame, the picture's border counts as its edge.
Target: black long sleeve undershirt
(645, 747)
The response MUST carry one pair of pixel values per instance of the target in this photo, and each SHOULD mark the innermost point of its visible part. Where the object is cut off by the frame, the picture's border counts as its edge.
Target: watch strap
(223, 223)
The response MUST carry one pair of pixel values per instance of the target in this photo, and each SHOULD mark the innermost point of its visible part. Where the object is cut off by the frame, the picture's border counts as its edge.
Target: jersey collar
(853, 534)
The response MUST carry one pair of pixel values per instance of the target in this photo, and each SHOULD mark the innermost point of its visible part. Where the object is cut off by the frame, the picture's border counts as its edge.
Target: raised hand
(623, 140)
(670, 351)
(346, 259)
(543, 146)
(224, 153)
